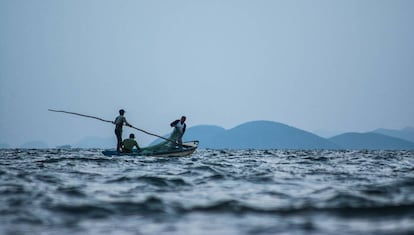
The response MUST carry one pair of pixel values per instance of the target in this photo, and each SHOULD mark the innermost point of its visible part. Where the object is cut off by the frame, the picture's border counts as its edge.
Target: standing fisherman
(119, 122)
(179, 129)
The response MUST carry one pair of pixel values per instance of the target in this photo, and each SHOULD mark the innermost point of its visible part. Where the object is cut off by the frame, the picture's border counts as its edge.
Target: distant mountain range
(371, 140)
(34, 145)
(268, 135)
(4, 146)
(405, 134)
(96, 142)
(87, 142)
(257, 135)
(274, 135)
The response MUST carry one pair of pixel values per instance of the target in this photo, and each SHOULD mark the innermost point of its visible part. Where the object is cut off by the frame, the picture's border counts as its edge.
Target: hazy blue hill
(4, 146)
(96, 142)
(371, 140)
(274, 135)
(257, 135)
(268, 135)
(66, 146)
(406, 133)
(34, 145)
(204, 133)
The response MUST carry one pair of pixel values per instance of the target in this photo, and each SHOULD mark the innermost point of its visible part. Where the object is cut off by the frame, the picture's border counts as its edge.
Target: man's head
(183, 118)
(131, 136)
(121, 112)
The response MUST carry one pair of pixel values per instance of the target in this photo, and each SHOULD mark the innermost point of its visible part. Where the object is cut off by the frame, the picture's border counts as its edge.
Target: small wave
(407, 182)
(259, 178)
(74, 159)
(375, 211)
(48, 179)
(151, 180)
(206, 169)
(223, 206)
(28, 219)
(276, 194)
(12, 189)
(214, 177)
(158, 181)
(150, 204)
(50, 160)
(238, 207)
(82, 210)
(105, 209)
(349, 200)
(394, 190)
(72, 191)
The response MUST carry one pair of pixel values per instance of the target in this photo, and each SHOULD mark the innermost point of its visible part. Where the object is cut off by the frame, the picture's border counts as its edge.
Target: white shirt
(180, 126)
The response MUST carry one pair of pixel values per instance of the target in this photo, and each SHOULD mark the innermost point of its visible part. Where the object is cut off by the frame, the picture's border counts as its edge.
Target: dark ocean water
(210, 192)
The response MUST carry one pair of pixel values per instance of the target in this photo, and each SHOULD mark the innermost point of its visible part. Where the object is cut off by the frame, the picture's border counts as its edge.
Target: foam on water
(211, 192)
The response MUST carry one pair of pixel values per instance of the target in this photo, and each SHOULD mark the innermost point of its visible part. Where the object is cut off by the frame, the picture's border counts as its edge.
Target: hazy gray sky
(316, 65)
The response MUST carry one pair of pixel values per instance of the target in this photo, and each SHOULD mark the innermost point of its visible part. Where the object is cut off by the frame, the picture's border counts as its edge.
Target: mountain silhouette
(37, 144)
(371, 141)
(204, 133)
(405, 134)
(266, 135)
(257, 135)
(4, 146)
(96, 142)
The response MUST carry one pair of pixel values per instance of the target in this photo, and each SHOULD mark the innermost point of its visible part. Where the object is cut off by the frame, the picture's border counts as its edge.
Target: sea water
(210, 192)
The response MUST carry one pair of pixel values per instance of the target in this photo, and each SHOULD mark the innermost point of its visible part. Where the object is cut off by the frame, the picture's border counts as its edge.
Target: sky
(323, 66)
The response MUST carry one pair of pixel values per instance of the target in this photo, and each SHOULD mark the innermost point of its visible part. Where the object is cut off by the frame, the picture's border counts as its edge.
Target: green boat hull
(173, 151)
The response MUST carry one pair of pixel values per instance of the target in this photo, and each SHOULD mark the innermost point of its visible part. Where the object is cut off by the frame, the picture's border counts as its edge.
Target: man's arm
(136, 145)
(174, 123)
(126, 123)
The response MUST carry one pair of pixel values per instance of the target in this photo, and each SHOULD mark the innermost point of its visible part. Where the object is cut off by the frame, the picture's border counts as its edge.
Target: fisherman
(179, 129)
(119, 122)
(128, 144)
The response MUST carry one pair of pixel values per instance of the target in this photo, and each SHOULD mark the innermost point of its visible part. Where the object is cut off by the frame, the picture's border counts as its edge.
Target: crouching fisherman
(128, 144)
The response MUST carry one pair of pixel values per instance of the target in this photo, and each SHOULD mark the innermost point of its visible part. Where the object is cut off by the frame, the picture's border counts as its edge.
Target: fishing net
(165, 145)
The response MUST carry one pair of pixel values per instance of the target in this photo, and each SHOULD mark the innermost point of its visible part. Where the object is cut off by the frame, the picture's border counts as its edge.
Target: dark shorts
(118, 133)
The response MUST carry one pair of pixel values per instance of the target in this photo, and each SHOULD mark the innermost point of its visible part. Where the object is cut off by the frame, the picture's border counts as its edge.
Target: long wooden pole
(100, 119)
(146, 132)
(83, 115)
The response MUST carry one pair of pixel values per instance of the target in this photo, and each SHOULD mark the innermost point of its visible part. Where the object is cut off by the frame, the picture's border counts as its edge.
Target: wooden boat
(160, 150)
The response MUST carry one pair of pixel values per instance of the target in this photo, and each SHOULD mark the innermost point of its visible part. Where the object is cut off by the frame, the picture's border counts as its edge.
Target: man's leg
(180, 142)
(119, 140)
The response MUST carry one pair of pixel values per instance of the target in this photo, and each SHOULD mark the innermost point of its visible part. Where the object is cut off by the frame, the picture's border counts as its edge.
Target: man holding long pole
(119, 122)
